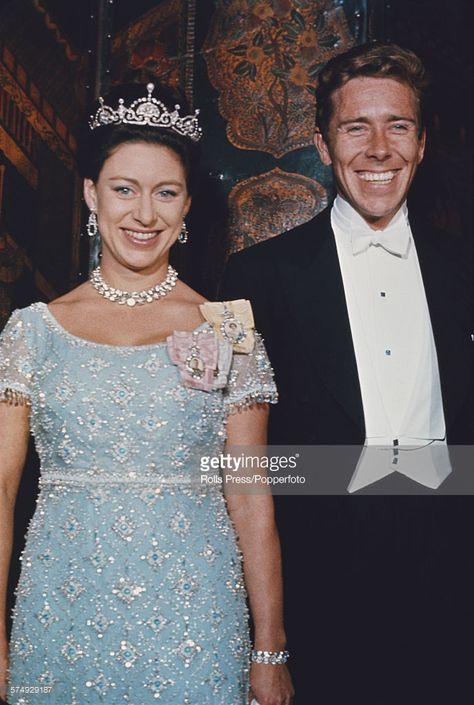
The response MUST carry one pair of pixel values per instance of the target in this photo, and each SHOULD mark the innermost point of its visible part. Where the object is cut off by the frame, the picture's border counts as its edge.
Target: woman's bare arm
(14, 432)
(253, 518)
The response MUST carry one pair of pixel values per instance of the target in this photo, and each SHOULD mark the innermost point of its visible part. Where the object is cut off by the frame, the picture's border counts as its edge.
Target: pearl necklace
(131, 298)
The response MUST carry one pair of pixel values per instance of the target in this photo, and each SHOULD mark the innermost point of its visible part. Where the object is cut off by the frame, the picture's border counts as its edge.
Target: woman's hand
(3, 668)
(270, 684)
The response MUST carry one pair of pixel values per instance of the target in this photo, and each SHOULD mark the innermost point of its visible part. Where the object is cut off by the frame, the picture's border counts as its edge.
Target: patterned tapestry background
(262, 58)
(154, 42)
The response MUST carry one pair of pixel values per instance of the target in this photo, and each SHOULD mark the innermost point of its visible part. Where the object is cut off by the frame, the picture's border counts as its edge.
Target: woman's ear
(187, 206)
(90, 194)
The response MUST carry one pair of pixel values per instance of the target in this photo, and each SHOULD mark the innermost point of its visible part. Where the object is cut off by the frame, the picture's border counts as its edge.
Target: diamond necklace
(131, 298)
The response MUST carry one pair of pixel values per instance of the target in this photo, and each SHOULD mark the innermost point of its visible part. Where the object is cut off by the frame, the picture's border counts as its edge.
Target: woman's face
(141, 199)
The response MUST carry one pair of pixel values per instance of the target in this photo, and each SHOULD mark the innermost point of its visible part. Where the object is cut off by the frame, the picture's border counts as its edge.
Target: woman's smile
(141, 238)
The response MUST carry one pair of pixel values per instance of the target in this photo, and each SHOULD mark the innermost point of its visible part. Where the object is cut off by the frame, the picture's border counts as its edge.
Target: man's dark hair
(374, 60)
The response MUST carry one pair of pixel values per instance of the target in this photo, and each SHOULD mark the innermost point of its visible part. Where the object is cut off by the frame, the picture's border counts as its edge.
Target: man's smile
(377, 176)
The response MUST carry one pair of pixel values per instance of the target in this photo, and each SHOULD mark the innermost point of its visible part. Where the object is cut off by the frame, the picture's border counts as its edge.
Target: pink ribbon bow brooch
(202, 360)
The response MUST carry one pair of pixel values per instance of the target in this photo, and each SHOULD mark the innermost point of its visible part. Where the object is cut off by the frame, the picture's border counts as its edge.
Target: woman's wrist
(270, 641)
(273, 658)
(269, 646)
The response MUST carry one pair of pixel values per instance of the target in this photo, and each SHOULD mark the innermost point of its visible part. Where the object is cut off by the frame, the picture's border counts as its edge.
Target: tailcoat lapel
(449, 304)
(311, 282)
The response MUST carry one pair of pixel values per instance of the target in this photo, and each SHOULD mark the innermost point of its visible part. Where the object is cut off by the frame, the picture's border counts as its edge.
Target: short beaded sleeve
(16, 372)
(251, 379)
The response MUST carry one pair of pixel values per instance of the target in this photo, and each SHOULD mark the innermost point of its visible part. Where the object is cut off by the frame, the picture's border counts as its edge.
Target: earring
(183, 235)
(92, 226)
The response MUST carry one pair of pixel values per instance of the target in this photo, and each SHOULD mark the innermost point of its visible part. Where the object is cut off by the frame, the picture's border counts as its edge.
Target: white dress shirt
(391, 329)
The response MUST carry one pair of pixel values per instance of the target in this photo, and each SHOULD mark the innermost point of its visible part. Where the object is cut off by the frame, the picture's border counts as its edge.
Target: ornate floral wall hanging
(263, 56)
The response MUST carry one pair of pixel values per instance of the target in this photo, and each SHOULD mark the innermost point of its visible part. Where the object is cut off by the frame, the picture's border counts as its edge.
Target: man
(366, 314)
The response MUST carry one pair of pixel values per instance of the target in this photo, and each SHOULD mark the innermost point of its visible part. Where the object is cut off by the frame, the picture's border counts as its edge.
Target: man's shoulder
(289, 243)
(450, 246)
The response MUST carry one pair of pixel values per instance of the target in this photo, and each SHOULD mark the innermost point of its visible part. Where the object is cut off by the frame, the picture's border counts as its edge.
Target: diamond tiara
(147, 111)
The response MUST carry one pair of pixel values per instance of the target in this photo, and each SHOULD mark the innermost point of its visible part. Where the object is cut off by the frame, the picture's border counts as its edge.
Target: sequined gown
(131, 585)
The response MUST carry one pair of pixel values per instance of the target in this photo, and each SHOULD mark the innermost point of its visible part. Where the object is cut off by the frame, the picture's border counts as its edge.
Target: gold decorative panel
(268, 204)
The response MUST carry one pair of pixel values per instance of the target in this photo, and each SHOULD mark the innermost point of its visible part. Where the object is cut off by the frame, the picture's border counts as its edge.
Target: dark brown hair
(376, 60)
(96, 146)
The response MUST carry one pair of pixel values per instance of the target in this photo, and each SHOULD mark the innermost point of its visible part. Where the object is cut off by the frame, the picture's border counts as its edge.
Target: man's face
(373, 145)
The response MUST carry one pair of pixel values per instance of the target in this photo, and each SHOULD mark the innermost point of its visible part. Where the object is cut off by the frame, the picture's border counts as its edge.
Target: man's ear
(321, 146)
(421, 145)
(90, 194)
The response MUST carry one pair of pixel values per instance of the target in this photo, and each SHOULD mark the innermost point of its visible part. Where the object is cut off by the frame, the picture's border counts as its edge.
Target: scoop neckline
(84, 341)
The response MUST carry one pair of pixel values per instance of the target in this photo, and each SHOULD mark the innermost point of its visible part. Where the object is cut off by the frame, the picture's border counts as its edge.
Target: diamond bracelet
(275, 658)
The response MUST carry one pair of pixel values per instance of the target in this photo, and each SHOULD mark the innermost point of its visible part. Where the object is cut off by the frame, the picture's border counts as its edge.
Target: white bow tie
(394, 239)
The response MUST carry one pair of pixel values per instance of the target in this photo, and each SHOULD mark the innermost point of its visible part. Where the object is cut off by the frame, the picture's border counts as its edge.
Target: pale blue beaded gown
(131, 587)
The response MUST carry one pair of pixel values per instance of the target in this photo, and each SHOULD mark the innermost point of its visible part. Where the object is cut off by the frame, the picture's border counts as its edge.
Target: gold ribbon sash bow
(233, 322)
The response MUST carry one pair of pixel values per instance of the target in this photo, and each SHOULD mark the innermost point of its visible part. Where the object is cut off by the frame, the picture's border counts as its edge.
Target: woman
(131, 588)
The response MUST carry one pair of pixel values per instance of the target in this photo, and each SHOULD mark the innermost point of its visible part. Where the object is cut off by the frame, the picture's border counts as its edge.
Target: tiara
(147, 111)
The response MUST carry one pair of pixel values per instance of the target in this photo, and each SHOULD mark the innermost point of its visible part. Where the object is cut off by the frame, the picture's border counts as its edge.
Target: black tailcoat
(366, 578)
